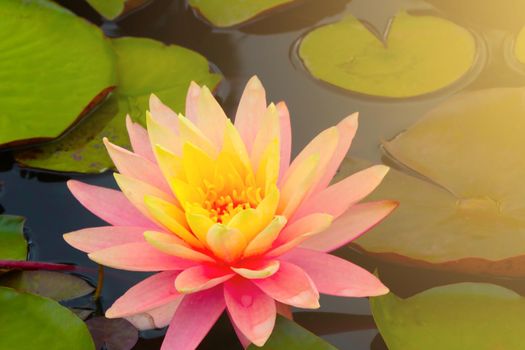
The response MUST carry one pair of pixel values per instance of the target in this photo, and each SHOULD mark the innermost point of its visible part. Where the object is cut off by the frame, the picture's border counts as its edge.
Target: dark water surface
(266, 48)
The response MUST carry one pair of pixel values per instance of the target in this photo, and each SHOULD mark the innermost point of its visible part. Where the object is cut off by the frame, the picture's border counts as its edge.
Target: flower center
(222, 204)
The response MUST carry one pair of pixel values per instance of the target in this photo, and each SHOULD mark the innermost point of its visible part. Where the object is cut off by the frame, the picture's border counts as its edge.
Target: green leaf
(110, 9)
(226, 13)
(54, 285)
(453, 317)
(31, 322)
(144, 66)
(13, 245)
(288, 335)
(54, 67)
(421, 54)
(469, 215)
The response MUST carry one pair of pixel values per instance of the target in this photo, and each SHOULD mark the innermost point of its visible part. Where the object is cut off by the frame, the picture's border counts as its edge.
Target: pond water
(267, 48)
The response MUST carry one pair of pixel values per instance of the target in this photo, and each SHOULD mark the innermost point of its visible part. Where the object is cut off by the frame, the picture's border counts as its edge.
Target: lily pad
(55, 285)
(453, 317)
(227, 13)
(421, 54)
(13, 245)
(54, 67)
(469, 213)
(31, 322)
(112, 9)
(144, 66)
(288, 335)
(113, 334)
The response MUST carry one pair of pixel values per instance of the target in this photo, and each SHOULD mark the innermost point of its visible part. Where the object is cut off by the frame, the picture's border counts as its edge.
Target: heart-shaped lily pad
(31, 322)
(226, 13)
(470, 215)
(421, 54)
(54, 67)
(55, 285)
(13, 245)
(288, 335)
(453, 317)
(144, 66)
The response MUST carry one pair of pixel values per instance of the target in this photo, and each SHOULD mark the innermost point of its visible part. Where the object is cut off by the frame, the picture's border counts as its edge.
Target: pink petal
(307, 225)
(163, 114)
(211, 119)
(151, 293)
(286, 137)
(97, 238)
(355, 187)
(193, 319)
(252, 107)
(347, 129)
(109, 205)
(192, 101)
(139, 139)
(135, 191)
(352, 224)
(290, 285)
(252, 311)
(173, 245)
(138, 257)
(136, 166)
(158, 317)
(202, 277)
(245, 342)
(336, 276)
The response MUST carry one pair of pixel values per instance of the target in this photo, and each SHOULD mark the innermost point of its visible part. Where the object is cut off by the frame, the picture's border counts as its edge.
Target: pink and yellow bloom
(228, 221)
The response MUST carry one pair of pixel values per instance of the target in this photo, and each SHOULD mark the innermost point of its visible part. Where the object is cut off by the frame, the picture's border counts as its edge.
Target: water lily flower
(227, 219)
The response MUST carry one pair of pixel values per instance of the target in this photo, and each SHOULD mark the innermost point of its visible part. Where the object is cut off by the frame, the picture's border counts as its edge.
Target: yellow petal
(268, 132)
(225, 242)
(189, 133)
(297, 185)
(198, 166)
(172, 218)
(169, 163)
(263, 241)
(186, 194)
(211, 117)
(236, 149)
(200, 224)
(257, 272)
(171, 245)
(268, 169)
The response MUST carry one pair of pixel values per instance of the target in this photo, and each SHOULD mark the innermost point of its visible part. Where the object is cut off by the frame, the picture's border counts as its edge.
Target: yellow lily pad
(469, 215)
(421, 54)
(453, 317)
(226, 13)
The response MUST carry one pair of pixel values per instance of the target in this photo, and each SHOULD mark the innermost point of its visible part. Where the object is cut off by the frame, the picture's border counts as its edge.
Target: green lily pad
(54, 67)
(144, 66)
(469, 215)
(13, 245)
(421, 54)
(31, 322)
(111, 9)
(453, 317)
(54, 285)
(288, 335)
(226, 13)
(108, 8)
